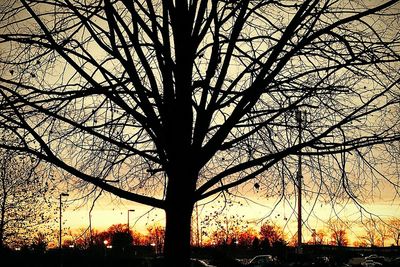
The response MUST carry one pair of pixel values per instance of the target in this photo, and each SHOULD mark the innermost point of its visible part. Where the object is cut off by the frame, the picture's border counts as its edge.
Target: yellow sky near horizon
(108, 212)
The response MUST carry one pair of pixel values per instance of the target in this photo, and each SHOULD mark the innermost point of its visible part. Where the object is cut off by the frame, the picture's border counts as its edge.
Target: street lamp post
(106, 246)
(128, 219)
(90, 229)
(59, 240)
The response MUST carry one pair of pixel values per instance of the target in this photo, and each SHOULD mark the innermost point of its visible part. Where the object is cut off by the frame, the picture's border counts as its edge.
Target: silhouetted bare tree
(181, 100)
(271, 233)
(339, 232)
(394, 230)
(155, 237)
(377, 231)
(25, 207)
(371, 236)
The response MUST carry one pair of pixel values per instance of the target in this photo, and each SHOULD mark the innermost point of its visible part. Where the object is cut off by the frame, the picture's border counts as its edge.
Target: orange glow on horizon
(104, 215)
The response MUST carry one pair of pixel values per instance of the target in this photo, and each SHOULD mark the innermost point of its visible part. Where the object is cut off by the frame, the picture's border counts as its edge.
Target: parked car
(393, 262)
(371, 263)
(226, 262)
(199, 263)
(160, 262)
(262, 261)
(397, 259)
(356, 261)
(321, 261)
(375, 257)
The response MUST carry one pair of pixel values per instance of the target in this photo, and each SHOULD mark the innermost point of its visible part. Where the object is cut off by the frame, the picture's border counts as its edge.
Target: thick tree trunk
(177, 234)
(179, 204)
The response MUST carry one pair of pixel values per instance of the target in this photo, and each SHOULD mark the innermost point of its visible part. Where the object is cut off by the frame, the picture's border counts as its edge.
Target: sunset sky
(109, 210)
(236, 112)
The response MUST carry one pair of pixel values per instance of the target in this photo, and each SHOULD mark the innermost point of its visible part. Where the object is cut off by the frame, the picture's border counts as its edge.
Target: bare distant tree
(177, 101)
(394, 230)
(320, 237)
(383, 231)
(339, 232)
(246, 237)
(317, 237)
(24, 204)
(155, 237)
(377, 231)
(371, 236)
(271, 233)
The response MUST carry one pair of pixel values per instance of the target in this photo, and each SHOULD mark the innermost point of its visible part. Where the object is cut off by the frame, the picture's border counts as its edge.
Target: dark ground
(220, 257)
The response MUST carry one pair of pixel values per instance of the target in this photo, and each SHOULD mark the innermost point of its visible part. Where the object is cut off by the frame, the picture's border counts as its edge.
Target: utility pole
(299, 120)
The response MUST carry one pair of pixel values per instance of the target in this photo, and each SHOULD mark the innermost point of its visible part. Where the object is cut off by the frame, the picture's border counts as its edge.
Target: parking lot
(313, 257)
